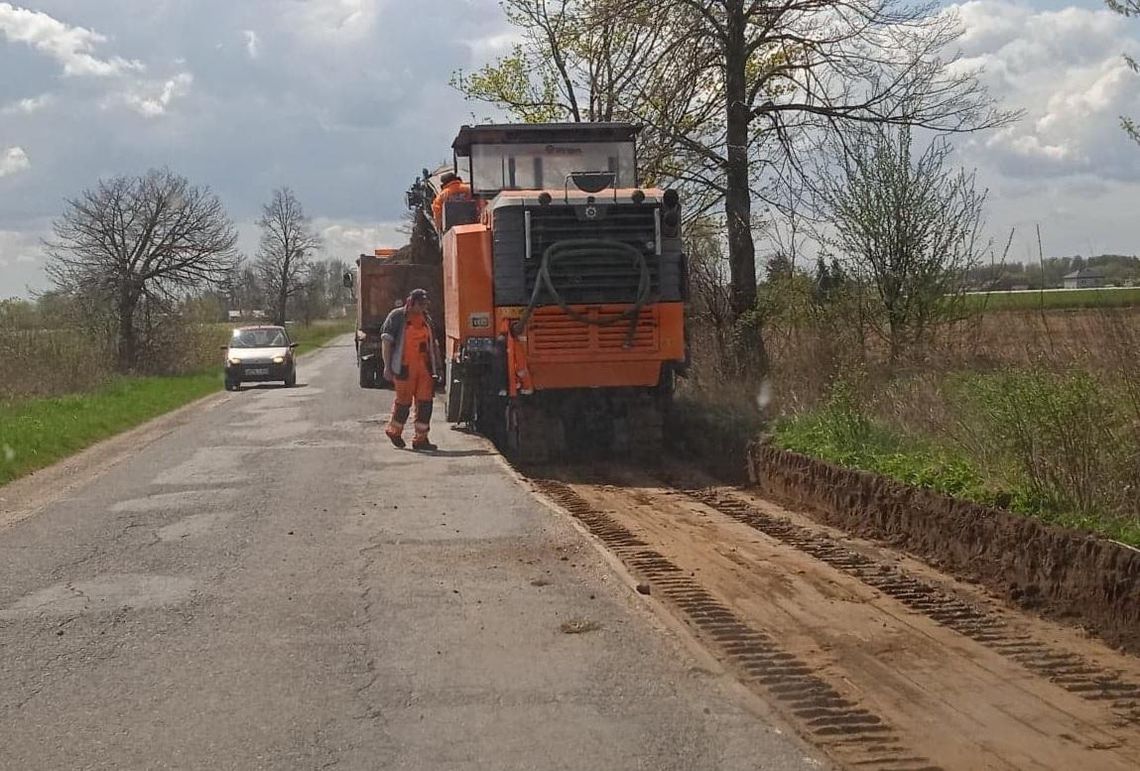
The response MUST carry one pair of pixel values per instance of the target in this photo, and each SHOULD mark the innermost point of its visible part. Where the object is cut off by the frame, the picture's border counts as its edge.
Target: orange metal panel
(613, 374)
(565, 353)
(467, 284)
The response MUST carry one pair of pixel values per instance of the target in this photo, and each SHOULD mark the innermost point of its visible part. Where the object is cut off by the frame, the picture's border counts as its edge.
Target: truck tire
(460, 397)
(368, 374)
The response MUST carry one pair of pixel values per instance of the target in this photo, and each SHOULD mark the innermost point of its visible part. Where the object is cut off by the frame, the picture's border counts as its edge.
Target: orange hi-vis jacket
(456, 188)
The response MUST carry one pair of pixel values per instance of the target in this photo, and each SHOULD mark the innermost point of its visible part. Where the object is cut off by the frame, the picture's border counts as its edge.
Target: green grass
(320, 334)
(38, 432)
(865, 445)
(839, 433)
(35, 433)
(1055, 299)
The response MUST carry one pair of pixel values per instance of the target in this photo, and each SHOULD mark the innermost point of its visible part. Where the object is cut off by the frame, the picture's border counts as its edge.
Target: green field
(1055, 299)
(35, 433)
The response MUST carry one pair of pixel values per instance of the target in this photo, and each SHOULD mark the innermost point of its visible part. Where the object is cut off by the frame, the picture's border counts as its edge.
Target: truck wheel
(454, 395)
(367, 374)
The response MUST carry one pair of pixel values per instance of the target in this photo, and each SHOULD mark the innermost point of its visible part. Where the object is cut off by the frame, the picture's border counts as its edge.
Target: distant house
(246, 315)
(1085, 278)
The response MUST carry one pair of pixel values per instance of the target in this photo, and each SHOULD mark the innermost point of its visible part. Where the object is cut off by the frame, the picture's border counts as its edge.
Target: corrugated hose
(584, 247)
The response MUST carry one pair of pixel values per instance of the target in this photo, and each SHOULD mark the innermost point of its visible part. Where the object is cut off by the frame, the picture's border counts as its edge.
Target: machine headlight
(278, 359)
(234, 361)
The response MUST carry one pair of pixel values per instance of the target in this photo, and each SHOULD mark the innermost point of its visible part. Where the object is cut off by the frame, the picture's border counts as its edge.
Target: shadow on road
(272, 387)
(452, 453)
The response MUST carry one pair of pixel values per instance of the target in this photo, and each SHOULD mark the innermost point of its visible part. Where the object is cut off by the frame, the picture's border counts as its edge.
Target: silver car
(260, 355)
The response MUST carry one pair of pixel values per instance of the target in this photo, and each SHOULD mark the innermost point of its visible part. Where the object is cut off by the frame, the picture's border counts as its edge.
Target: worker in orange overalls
(412, 362)
(453, 187)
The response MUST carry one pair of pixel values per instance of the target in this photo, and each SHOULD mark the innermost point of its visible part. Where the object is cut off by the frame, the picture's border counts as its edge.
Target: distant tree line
(134, 256)
(1118, 270)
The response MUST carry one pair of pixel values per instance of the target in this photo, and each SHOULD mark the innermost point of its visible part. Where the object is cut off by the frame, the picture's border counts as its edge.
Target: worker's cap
(418, 294)
(448, 177)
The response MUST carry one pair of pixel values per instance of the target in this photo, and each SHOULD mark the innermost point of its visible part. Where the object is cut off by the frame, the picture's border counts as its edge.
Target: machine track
(876, 658)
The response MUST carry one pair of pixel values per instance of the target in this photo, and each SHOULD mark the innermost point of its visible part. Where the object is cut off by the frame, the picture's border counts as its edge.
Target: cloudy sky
(345, 100)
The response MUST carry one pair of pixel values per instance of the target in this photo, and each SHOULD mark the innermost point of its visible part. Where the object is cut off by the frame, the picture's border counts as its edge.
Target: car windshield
(259, 338)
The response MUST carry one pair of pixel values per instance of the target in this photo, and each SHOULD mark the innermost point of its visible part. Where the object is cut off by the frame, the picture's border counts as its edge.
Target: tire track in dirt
(850, 733)
(1070, 671)
(879, 668)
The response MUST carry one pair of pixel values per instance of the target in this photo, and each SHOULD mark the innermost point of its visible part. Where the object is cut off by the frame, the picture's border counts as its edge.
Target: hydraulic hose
(584, 247)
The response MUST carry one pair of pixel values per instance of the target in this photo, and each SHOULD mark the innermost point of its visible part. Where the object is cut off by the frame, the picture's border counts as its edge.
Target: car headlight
(278, 359)
(234, 361)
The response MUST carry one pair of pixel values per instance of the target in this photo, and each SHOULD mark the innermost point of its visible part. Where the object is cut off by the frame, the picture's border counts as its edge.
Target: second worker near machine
(412, 363)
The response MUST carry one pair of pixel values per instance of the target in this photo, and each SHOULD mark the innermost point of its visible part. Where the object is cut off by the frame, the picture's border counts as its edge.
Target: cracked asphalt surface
(265, 583)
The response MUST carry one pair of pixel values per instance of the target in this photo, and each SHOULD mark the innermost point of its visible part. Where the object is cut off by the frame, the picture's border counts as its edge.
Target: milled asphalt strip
(28, 495)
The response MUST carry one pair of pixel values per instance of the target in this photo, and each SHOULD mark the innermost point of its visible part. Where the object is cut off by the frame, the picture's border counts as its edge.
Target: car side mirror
(293, 345)
(225, 347)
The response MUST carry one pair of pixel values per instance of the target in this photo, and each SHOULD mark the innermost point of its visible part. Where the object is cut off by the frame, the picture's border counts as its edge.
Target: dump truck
(381, 282)
(565, 290)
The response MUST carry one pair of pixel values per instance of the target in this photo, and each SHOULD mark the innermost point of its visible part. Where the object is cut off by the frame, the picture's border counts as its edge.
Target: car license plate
(259, 371)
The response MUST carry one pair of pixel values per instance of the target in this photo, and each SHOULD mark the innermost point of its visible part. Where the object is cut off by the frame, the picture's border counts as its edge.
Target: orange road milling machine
(564, 287)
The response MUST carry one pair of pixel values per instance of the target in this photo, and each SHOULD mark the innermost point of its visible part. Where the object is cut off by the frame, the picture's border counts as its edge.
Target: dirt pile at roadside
(1051, 570)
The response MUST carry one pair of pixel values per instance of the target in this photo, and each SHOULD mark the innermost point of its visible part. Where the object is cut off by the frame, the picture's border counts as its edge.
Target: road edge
(23, 498)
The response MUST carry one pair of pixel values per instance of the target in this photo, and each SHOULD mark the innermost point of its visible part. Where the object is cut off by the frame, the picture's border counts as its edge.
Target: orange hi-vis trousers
(414, 386)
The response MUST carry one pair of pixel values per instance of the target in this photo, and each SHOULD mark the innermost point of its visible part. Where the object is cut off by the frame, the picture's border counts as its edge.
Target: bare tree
(710, 288)
(287, 242)
(908, 228)
(579, 61)
(785, 70)
(139, 244)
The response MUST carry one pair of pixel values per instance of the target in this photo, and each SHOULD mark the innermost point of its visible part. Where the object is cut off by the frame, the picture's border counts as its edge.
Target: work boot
(396, 439)
(423, 443)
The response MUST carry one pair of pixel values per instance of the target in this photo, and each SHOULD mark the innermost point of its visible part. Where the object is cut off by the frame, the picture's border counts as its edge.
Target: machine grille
(552, 332)
(604, 276)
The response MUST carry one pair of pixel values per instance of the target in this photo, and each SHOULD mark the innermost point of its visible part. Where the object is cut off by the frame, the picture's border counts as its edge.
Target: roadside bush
(44, 362)
(842, 432)
(1063, 441)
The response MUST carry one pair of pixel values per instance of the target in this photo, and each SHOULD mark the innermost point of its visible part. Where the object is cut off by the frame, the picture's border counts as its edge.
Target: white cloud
(493, 46)
(29, 106)
(344, 20)
(1066, 166)
(1066, 70)
(347, 240)
(151, 99)
(252, 43)
(13, 160)
(71, 46)
(21, 252)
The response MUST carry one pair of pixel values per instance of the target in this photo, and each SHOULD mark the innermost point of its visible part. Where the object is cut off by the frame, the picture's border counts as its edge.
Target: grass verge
(840, 433)
(38, 432)
(319, 335)
(35, 433)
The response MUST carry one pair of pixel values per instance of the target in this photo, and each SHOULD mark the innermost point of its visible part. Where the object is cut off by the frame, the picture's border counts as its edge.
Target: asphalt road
(261, 581)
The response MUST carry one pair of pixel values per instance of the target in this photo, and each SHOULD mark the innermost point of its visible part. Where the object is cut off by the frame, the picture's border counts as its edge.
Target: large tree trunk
(282, 305)
(738, 196)
(128, 335)
(749, 353)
